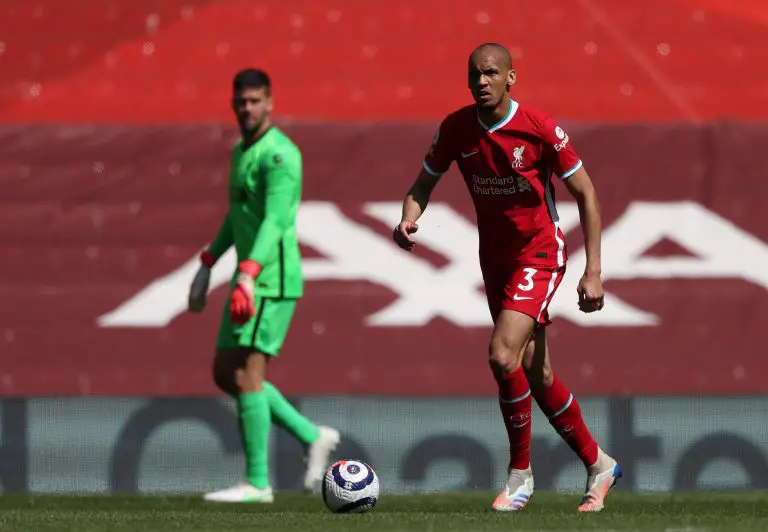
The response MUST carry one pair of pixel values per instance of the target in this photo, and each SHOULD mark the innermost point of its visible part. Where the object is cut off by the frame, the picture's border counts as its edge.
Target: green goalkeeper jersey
(264, 195)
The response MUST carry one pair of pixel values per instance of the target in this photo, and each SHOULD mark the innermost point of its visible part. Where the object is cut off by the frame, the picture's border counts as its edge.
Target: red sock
(515, 404)
(564, 414)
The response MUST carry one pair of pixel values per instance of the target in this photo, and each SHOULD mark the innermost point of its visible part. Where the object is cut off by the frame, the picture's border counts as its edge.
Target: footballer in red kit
(508, 168)
(510, 156)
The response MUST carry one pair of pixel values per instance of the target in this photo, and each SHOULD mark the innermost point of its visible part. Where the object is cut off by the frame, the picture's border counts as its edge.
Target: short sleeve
(559, 148)
(441, 153)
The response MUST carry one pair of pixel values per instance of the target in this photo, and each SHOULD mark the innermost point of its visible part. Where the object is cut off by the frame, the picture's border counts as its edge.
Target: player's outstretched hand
(198, 290)
(402, 235)
(591, 295)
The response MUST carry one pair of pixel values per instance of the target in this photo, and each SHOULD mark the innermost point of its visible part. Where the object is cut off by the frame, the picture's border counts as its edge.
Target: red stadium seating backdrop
(160, 61)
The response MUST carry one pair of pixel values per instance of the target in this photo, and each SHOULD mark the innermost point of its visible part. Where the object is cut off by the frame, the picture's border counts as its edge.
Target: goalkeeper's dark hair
(252, 78)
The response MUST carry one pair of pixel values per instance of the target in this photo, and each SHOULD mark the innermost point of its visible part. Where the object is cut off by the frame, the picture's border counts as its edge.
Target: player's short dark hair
(496, 46)
(251, 78)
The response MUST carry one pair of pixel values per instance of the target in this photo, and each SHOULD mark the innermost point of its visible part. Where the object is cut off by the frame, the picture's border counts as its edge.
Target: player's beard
(255, 126)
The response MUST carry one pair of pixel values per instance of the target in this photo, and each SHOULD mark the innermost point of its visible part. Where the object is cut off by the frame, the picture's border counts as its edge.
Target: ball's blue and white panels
(350, 486)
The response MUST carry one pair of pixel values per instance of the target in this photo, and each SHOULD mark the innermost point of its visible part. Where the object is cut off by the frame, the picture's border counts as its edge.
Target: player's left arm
(590, 289)
(570, 169)
(222, 242)
(283, 188)
(583, 191)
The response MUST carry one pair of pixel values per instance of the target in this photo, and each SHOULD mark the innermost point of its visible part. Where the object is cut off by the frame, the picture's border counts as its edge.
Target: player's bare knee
(248, 381)
(511, 334)
(225, 364)
(503, 357)
(250, 378)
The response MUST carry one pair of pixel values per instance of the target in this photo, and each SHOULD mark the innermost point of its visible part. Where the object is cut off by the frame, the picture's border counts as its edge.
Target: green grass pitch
(450, 511)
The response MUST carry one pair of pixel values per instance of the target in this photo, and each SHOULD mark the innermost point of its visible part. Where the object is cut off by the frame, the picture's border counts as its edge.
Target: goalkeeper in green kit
(264, 194)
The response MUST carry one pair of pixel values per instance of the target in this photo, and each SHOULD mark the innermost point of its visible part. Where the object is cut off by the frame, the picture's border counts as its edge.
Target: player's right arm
(198, 290)
(413, 207)
(224, 239)
(436, 163)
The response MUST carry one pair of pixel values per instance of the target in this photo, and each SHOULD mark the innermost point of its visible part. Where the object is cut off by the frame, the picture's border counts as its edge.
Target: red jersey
(508, 169)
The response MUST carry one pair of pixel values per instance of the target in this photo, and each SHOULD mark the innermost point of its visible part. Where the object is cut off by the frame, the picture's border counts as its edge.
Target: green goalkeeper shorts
(264, 333)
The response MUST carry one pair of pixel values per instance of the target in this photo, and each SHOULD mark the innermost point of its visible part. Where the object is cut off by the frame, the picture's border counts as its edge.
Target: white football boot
(517, 491)
(242, 492)
(601, 477)
(319, 456)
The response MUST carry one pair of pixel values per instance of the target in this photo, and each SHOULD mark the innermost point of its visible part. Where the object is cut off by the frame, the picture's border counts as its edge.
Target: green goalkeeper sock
(285, 415)
(255, 425)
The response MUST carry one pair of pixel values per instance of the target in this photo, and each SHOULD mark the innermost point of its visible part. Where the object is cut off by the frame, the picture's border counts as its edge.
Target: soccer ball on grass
(350, 486)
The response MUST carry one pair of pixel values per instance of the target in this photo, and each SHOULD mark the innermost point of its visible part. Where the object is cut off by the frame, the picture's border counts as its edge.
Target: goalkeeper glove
(198, 290)
(241, 305)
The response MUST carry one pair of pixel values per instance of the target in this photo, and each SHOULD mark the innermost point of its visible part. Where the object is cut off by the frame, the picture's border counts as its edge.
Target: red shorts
(527, 290)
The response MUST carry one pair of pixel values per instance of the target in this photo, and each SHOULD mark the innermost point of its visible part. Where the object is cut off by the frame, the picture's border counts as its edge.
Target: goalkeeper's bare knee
(250, 377)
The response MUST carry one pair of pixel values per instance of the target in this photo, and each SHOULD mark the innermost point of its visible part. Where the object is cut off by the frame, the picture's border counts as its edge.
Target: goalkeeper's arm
(224, 239)
(283, 184)
(198, 290)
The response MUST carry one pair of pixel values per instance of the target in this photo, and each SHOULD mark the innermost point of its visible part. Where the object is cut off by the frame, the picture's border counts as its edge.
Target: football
(350, 486)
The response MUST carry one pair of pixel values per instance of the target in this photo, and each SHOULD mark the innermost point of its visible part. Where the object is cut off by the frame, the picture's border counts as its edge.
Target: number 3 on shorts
(529, 273)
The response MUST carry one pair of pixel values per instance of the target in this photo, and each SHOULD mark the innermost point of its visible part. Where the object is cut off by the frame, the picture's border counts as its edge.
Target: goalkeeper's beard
(257, 130)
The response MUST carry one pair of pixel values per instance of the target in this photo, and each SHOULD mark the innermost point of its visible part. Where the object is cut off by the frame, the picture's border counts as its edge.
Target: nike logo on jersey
(520, 298)
(470, 154)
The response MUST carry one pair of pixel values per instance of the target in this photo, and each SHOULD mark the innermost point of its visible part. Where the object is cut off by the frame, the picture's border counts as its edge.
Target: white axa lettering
(353, 251)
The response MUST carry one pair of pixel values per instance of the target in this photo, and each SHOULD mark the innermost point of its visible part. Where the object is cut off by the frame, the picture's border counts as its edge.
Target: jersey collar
(513, 106)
